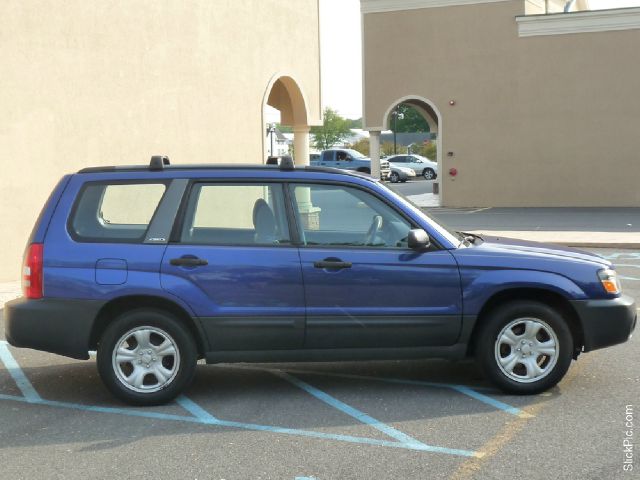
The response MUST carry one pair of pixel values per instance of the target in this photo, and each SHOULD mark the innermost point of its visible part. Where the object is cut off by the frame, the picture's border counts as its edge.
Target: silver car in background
(401, 174)
(419, 164)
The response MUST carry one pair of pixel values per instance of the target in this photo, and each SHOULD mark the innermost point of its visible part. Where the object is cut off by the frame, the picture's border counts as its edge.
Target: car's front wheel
(146, 357)
(429, 174)
(395, 178)
(525, 347)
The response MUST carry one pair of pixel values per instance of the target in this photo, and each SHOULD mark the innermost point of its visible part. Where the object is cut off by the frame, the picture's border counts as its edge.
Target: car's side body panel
(271, 303)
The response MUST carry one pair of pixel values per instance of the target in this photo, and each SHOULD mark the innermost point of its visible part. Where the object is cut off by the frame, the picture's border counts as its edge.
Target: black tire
(403, 181)
(182, 362)
(489, 348)
(364, 170)
(394, 177)
(429, 174)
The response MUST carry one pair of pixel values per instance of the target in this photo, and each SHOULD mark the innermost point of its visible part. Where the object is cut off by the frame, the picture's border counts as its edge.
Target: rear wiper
(469, 237)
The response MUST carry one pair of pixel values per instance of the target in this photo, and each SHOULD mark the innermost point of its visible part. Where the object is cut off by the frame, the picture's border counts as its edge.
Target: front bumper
(606, 322)
(52, 325)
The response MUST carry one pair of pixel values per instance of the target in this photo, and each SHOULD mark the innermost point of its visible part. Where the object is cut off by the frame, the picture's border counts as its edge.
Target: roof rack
(285, 162)
(158, 162)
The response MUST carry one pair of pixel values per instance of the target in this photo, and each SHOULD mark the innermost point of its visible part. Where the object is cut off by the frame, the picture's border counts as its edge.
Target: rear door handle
(332, 264)
(188, 262)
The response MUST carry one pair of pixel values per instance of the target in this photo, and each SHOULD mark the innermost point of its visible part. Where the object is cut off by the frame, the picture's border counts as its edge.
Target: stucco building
(113, 82)
(533, 106)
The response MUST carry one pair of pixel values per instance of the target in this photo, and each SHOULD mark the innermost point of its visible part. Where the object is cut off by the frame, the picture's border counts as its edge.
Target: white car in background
(419, 164)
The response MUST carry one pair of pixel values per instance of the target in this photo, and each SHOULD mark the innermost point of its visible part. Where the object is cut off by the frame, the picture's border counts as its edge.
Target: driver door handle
(188, 262)
(335, 264)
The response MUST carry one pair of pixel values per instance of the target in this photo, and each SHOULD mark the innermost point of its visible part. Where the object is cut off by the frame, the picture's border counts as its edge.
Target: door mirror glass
(418, 239)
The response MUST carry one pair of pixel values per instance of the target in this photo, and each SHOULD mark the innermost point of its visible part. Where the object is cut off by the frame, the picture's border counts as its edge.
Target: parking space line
(348, 409)
(97, 409)
(200, 416)
(469, 468)
(22, 382)
(463, 389)
(195, 409)
(491, 401)
(244, 426)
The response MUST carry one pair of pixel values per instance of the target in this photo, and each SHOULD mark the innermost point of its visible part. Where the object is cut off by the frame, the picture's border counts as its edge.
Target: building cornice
(377, 6)
(579, 22)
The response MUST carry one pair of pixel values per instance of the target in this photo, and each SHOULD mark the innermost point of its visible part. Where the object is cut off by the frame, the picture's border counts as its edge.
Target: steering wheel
(376, 224)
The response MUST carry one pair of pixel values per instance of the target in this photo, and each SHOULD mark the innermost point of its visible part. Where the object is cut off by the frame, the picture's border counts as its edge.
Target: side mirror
(418, 239)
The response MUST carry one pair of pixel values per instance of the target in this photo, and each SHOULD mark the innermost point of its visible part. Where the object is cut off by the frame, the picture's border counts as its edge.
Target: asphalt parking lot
(369, 420)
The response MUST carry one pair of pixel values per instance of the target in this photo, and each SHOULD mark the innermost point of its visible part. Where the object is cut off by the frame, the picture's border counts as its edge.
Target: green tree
(430, 150)
(333, 130)
(411, 121)
(361, 146)
(355, 123)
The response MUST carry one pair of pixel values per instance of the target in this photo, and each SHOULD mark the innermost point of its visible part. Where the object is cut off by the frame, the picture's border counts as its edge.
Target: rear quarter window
(114, 212)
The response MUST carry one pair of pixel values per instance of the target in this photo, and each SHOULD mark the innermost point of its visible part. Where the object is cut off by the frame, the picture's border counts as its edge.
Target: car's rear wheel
(395, 178)
(364, 170)
(525, 347)
(429, 174)
(146, 357)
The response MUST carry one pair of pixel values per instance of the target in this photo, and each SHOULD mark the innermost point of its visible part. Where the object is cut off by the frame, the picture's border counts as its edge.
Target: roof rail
(158, 162)
(285, 162)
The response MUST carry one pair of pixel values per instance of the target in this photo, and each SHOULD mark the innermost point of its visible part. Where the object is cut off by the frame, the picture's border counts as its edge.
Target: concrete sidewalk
(583, 227)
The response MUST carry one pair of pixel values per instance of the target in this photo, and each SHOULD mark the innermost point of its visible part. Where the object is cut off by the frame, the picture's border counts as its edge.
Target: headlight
(610, 281)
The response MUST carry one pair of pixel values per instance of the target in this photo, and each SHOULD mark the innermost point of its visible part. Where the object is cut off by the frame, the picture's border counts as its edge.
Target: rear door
(232, 260)
(364, 287)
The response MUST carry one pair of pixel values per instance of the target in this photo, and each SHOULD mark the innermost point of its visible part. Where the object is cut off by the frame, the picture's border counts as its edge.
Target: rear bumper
(51, 325)
(606, 322)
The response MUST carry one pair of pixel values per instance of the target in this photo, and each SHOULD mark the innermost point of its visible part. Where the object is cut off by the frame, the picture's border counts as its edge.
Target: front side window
(240, 214)
(336, 215)
(115, 212)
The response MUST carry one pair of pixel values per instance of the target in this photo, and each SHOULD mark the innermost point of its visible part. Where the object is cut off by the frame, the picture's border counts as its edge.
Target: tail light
(32, 271)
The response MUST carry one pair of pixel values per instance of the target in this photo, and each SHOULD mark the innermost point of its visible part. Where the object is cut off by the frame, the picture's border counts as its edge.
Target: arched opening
(425, 141)
(285, 99)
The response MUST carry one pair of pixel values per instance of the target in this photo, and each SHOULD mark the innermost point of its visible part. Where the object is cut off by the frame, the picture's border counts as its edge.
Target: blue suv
(158, 266)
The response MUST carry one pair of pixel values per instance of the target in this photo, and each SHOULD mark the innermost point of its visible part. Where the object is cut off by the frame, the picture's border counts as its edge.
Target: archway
(428, 110)
(284, 94)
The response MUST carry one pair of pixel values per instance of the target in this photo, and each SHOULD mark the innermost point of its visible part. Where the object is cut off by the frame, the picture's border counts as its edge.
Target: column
(309, 215)
(301, 145)
(374, 152)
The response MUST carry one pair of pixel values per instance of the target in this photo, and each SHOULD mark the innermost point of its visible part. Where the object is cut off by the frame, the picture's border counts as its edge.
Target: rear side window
(227, 214)
(115, 212)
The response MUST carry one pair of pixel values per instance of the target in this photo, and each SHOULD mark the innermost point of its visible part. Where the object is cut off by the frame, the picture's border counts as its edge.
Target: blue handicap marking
(198, 415)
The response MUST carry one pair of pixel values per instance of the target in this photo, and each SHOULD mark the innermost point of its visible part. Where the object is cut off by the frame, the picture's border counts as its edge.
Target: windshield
(449, 233)
(355, 153)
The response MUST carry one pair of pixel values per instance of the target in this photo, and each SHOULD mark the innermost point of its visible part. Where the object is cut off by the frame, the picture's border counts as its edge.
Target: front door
(363, 286)
(235, 265)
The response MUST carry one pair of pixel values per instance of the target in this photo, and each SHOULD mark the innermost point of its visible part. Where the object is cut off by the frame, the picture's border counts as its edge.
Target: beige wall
(537, 121)
(115, 81)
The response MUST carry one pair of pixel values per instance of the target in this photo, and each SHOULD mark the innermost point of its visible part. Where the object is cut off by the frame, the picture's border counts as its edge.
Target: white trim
(579, 22)
(377, 6)
(385, 120)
